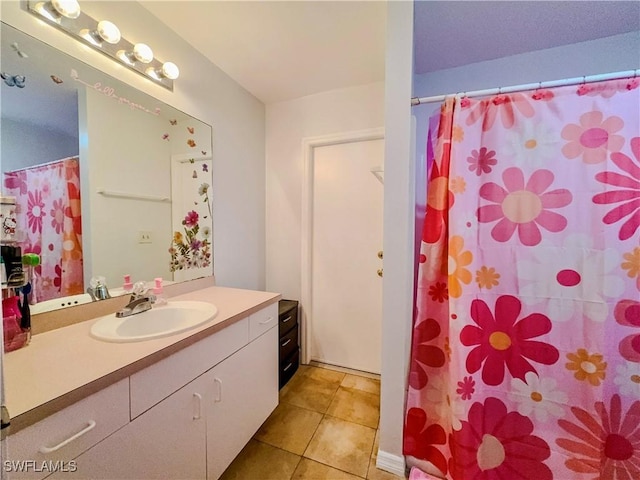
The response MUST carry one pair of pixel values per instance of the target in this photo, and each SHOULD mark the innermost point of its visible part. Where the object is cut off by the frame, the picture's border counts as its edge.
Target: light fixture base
(83, 23)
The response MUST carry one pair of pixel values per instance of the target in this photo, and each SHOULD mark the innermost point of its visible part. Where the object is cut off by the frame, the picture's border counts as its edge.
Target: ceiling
(279, 50)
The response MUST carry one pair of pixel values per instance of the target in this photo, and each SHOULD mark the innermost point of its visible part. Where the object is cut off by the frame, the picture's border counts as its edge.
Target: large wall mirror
(109, 181)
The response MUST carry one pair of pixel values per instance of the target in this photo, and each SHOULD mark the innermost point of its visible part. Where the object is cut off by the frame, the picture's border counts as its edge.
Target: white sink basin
(162, 321)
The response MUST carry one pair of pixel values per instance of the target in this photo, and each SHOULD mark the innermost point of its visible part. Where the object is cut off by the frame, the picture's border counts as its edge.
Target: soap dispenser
(159, 293)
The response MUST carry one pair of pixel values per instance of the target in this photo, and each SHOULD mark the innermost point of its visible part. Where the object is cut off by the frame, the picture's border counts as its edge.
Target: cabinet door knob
(380, 254)
(379, 272)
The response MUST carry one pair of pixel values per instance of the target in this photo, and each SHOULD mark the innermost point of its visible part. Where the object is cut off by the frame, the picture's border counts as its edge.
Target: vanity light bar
(105, 37)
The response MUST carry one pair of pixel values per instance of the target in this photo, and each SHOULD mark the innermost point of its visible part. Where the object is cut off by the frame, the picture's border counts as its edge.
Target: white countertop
(62, 366)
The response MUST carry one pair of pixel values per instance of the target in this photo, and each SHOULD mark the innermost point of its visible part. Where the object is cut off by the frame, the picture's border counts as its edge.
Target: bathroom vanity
(181, 406)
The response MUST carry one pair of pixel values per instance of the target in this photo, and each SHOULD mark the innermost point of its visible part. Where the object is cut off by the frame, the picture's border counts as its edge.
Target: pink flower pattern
(523, 207)
(628, 195)
(481, 161)
(593, 138)
(497, 444)
(486, 362)
(501, 340)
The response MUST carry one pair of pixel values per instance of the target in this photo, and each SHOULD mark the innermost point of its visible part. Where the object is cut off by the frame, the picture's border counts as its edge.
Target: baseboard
(391, 463)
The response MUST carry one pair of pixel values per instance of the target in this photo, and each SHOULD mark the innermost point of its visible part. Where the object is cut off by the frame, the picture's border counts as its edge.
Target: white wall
(143, 168)
(336, 111)
(398, 234)
(610, 54)
(19, 151)
(207, 93)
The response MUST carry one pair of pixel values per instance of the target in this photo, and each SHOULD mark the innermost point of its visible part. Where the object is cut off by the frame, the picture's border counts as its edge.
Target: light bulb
(67, 8)
(108, 31)
(170, 70)
(105, 30)
(142, 52)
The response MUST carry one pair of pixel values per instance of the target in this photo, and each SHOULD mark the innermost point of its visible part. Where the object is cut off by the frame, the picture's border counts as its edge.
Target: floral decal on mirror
(192, 249)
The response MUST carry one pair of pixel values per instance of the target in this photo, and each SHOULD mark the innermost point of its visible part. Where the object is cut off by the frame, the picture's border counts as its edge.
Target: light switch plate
(144, 236)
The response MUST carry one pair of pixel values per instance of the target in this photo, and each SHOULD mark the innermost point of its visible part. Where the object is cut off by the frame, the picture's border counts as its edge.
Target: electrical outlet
(144, 236)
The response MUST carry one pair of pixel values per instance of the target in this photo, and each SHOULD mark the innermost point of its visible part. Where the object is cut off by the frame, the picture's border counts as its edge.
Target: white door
(346, 289)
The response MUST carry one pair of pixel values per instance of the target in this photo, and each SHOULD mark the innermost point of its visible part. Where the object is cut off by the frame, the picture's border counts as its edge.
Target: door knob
(379, 272)
(380, 254)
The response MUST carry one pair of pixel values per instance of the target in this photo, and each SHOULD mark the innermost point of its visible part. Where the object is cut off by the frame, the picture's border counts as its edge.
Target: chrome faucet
(141, 301)
(137, 304)
(99, 292)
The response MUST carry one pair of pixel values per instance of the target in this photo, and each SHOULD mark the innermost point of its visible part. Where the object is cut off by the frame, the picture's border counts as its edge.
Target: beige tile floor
(325, 428)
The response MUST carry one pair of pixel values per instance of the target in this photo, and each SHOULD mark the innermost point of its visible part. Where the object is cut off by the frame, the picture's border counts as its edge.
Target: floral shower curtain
(526, 343)
(48, 215)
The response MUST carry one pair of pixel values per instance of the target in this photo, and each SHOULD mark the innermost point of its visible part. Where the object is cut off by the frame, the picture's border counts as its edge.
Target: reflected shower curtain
(525, 358)
(49, 216)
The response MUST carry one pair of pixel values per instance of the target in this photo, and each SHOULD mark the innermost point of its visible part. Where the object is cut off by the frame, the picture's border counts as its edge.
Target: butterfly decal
(192, 160)
(56, 79)
(205, 167)
(13, 80)
(194, 174)
(203, 152)
(191, 130)
(16, 48)
(165, 136)
(173, 122)
(191, 143)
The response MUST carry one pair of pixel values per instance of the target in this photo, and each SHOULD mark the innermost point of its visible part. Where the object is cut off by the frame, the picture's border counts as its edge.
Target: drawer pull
(264, 322)
(198, 413)
(287, 367)
(219, 397)
(91, 425)
(287, 319)
(286, 343)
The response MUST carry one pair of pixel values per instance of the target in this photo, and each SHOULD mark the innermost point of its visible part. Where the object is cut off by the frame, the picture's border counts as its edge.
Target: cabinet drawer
(287, 321)
(157, 382)
(288, 367)
(69, 432)
(262, 321)
(289, 343)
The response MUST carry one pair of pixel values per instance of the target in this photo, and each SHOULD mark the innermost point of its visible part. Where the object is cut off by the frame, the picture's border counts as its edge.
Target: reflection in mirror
(108, 180)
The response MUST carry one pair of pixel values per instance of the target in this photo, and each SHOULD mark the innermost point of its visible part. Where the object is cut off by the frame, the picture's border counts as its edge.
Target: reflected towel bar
(133, 196)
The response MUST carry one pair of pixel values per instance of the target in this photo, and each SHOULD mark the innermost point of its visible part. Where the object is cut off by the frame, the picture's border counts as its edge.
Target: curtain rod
(530, 86)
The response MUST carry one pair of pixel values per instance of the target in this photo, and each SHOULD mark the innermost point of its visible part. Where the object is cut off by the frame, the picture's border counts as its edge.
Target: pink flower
(523, 206)
(423, 354)
(593, 138)
(466, 388)
(57, 215)
(191, 219)
(604, 444)
(628, 197)
(35, 211)
(496, 444)
(481, 162)
(627, 313)
(420, 438)
(502, 341)
(503, 105)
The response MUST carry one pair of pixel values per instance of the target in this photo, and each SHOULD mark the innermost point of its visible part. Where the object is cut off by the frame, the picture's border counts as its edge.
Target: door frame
(309, 144)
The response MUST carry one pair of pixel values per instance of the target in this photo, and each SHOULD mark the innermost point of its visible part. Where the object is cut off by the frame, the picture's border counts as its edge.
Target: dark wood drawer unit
(288, 368)
(289, 339)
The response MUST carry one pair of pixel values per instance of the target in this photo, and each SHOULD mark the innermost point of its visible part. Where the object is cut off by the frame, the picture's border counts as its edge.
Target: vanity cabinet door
(166, 442)
(243, 393)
